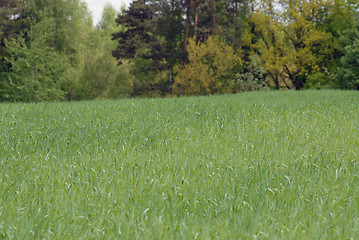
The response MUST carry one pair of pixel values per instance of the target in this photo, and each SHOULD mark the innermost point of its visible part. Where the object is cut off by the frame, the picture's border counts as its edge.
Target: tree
(348, 72)
(289, 42)
(138, 38)
(145, 41)
(100, 77)
(170, 28)
(339, 16)
(347, 76)
(211, 68)
(339, 21)
(107, 22)
(12, 22)
(222, 18)
(11, 16)
(46, 55)
(36, 72)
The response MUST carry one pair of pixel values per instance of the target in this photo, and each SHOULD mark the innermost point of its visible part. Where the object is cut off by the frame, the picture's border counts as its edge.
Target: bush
(317, 80)
(252, 78)
(211, 67)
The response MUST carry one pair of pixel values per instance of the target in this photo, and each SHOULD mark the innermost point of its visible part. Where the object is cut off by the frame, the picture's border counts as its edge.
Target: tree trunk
(196, 21)
(213, 3)
(188, 4)
(171, 81)
(235, 21)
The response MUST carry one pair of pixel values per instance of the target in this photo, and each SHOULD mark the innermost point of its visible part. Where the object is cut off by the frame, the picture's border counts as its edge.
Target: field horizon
(266, 165)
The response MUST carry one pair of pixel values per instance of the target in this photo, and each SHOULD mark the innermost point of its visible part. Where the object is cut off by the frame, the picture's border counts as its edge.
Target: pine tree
(138, 39)
(150, 38)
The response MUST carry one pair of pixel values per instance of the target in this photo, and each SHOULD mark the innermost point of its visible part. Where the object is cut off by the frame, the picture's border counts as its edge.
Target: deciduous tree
(290, 43)
(211, 68)
(37, 70)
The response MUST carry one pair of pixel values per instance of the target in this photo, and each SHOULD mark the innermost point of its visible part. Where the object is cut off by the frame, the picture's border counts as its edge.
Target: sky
(96, 7)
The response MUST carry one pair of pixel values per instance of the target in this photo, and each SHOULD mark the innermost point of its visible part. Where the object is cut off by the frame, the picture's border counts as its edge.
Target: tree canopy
(50, 50)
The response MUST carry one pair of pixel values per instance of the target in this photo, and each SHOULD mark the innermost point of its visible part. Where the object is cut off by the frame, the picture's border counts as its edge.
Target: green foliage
(143, 39)
(252, 78)
(340, 16)
(36, 72)
(99, 76)
(266, 165)
(54, 52)
(71, 21)
(317, 80)
(102, 78)
(170, 30)
(211, 68)
(107, 23)
(348, 73)
(63, 56)
(11, 20)
(137, 36)
(44, 60)
(121, 84)
(292, 50)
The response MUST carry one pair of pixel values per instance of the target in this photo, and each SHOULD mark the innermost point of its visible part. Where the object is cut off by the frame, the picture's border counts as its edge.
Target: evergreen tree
(138, 39)
(145, 41)
(170, 28)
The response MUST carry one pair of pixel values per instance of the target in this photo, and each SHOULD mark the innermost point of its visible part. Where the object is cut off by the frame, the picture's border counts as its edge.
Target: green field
(260, 165)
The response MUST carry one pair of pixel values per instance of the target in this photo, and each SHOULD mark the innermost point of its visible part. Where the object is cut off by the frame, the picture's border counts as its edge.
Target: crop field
(259, 165)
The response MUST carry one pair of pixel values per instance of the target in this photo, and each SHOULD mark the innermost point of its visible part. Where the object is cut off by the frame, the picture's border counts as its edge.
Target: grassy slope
(268, 165)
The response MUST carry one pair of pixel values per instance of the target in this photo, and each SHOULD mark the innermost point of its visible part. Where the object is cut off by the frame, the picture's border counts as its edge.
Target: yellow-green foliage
(210, 69)
(293, 47)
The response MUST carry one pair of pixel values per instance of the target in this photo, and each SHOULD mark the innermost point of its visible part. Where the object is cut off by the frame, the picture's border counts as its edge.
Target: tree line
(51, 50)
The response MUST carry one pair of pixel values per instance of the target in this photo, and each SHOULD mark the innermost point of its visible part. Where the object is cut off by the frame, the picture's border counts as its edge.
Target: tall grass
(261, 165)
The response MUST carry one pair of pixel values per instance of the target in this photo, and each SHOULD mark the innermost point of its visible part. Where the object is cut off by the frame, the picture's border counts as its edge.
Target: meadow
(258, 165)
